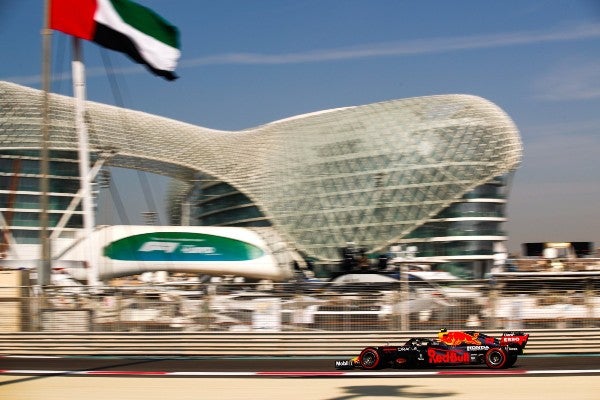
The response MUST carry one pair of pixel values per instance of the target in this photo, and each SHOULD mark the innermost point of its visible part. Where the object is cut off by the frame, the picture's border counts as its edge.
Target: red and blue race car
(450, 348)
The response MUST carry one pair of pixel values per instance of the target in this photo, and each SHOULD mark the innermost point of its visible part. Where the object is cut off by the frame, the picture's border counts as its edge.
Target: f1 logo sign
(165, 247)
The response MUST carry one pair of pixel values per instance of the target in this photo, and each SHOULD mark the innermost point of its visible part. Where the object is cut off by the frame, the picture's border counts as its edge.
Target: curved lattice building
(379, 174)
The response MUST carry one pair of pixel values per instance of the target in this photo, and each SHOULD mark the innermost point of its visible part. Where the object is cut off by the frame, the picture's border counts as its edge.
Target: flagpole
(45, 264)
(78, 71)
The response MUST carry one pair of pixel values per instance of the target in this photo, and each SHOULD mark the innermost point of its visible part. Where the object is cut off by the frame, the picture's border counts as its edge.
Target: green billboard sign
(181, 246)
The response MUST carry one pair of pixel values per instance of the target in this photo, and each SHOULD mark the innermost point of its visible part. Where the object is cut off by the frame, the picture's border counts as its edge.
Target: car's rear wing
(514, 338)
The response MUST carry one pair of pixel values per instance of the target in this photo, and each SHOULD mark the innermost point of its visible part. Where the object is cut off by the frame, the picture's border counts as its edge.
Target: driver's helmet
(443, 332)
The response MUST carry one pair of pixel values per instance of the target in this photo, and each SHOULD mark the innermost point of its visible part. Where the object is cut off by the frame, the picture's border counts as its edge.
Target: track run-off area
(546, 377)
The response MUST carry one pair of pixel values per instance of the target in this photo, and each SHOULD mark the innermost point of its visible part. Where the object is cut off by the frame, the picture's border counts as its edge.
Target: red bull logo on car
(438, 356)
(458, 338)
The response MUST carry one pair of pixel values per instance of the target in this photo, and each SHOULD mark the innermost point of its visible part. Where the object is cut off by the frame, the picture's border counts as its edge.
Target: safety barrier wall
(260, 344)
(305, 307)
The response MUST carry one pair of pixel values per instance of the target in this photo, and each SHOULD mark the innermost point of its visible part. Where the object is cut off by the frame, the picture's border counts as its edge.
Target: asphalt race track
(314, 365)
(548, 377)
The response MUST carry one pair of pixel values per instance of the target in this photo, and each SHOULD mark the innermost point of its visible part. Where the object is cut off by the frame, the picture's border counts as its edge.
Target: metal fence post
(492, 299)
(589, 304)
(404, 296)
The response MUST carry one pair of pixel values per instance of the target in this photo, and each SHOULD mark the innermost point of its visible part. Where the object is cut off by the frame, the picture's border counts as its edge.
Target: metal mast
(45, 265)
(84, 156)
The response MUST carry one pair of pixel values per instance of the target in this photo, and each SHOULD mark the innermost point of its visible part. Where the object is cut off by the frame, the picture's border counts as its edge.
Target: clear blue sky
(245, 63)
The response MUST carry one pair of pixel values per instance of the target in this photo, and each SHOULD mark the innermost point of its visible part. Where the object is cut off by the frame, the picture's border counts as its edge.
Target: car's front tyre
(369, 358)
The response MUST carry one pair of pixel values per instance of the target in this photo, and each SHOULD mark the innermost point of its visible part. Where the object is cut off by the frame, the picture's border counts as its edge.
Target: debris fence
(498, 304)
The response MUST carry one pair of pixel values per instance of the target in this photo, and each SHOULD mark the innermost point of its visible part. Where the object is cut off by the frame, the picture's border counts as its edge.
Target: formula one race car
(451, 348)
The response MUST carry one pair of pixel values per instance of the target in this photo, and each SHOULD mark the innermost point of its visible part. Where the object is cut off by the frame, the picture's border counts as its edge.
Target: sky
(249, 62)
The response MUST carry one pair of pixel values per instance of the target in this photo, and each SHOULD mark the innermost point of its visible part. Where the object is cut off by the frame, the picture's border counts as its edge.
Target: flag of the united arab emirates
(121, 25)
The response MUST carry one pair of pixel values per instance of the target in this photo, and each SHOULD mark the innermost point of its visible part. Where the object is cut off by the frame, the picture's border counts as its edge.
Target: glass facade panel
(19, 201)
(222, 202)
(26, 236)
(20, 170)
(458, 210)
(32, 220)
(232, 216)
(490, 191)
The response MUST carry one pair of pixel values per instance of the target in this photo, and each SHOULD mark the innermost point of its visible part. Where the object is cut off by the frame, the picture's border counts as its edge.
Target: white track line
(303, 373)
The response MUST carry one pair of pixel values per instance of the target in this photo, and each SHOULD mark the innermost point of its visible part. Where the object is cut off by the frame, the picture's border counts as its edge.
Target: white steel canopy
(368, 174)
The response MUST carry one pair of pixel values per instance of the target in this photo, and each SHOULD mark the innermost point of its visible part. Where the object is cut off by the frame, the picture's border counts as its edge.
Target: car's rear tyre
(496, 358)
(369, 358)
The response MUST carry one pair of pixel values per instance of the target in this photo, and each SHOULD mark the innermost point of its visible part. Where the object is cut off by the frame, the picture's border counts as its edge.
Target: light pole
(404, 297)
(407, 254)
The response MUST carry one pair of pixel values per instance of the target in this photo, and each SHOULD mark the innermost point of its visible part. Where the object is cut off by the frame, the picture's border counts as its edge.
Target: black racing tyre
(496, 358)
(512, 359)
(369, 358)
